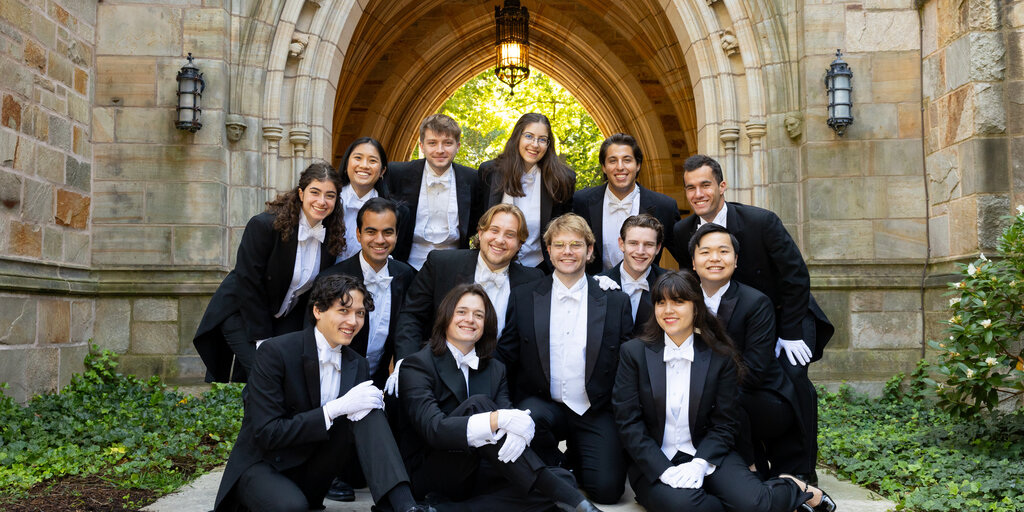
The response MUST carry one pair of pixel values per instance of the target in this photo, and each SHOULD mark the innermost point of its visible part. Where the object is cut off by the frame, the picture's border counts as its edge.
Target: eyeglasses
(573, 246)
(530, 139)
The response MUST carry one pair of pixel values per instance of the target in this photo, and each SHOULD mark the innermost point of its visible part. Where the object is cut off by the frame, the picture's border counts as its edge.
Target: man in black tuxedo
(605, 207)
(309, 409)
(561, 346)
(774, 437)
(771, 263)
(640, 240)
(387, 280)
(443, 197)
(501, 232)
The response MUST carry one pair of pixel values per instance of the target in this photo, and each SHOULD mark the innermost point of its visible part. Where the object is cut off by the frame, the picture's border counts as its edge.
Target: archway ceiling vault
(620, 59)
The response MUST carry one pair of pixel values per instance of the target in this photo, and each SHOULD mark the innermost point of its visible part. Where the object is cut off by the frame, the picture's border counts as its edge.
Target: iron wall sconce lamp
(839, 85)
(190, 92)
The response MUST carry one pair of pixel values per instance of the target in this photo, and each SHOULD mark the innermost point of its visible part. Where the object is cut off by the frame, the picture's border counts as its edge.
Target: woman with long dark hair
(529, 174)
(281, 252)
(455, 402)
(364, 165)
(675, 405)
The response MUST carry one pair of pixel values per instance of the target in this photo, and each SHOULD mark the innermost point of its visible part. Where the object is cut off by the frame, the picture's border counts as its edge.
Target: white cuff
(478, 430)
(327, 419)
(260, 342)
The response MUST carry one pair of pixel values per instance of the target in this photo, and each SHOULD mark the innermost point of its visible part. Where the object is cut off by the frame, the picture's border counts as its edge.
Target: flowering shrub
(982, 360)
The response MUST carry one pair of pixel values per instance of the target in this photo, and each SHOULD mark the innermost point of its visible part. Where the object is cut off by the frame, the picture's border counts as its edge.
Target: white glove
(514, 446)
(391, 386)
(518, 422)
(671, 476)
(797, 351)
(606, 283)
(691, 474)
(357, 403)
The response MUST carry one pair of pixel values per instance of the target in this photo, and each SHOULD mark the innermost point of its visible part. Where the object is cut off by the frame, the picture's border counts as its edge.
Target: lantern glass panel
(841, 111)
(842, 97)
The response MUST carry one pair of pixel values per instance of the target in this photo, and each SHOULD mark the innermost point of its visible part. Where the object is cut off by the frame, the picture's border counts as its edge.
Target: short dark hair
(446, 311)
(644, 220)
(376, 205)
(708, 228)
(380, 186)
(623, 139)
(328, 289)
(697, 161)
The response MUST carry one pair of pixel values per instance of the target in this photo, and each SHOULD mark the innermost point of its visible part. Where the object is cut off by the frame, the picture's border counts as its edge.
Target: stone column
(729, 136)
(755, 133)
(299, 138)
(273, 134)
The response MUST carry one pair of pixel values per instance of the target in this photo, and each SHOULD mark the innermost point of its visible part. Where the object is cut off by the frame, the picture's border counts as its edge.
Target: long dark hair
(488, 341)
(684, 285)
(287, 207)
(559, 179)
(380, 187)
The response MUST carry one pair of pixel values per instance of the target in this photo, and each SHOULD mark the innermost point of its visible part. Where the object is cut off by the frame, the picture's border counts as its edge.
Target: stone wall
(46, 58)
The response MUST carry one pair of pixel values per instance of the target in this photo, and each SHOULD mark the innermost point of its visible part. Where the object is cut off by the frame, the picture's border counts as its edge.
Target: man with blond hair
(443, 196)
(561, 346)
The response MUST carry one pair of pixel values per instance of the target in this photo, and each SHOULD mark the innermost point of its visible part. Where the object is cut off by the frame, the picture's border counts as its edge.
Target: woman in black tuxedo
(364, 165)
(464, 445)
(675, 405)
(281, 252)
(529, 174)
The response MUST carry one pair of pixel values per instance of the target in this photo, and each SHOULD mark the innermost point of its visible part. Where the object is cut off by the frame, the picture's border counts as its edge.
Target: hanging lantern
(839, 85)
(512, 44)
(190, 92)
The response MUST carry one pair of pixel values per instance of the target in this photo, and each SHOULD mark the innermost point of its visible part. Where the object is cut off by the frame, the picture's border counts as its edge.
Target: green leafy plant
(131, 433)
(981, 363)
(920, 456)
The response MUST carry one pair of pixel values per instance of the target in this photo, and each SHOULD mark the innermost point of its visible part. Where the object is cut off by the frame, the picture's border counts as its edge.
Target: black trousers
(237, 336)
(594, 448)
(771, 433)
(732, 487)
(263, 488)
(477, 481)
(807, 401)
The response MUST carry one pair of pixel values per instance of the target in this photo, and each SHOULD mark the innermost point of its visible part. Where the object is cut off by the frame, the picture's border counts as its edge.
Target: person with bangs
(466, 447)
(529, 174)
(281, 252)
(676, 408)
(365, 163)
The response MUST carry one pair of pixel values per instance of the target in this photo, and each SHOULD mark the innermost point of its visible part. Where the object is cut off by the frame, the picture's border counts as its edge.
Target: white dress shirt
(530, 253)
(330, 371)
(307, 263)
(719, 217)
(497, 286)
(568, 333)
(678, 362)
(478, 428)
(715, 300)
(351, 203)
(615, 213)
(635, 288)
(379, 286)
(437, 215)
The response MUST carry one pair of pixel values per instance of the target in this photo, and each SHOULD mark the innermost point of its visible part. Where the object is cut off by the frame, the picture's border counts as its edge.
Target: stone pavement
(199, 496)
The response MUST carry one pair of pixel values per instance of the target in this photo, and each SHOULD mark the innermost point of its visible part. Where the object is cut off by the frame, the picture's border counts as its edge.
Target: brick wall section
(46, 58)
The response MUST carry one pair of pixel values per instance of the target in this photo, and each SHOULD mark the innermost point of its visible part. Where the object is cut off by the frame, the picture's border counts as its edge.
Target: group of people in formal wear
(436, 333)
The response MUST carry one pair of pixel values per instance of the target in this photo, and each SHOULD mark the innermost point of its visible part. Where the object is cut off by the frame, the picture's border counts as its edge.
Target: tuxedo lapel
(465, 273)
(465, 197)
(727, 306)
(615, 273)
(546, 203)
(698, 375)
(451, 375)
(646, 206)
(597, 214)
(397, 293)
(495, 194)
(349, 368)
(311, 367)
(480, 381)
(597, 306)
(656, 372)
(516, 275)
(542, 324)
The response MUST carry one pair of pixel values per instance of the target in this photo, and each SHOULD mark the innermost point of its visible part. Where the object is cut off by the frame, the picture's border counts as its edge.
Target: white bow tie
(470, 360)
(631, 286)
(529, 178)
(329, 357)
(492, 278)
(565, 296)
(620, 206)
(674, 353)
(377, 280)
(317, 232)
(437, 181)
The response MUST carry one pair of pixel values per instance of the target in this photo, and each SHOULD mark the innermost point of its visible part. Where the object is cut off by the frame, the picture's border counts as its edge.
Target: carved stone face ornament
(794, 125)
(235, 127)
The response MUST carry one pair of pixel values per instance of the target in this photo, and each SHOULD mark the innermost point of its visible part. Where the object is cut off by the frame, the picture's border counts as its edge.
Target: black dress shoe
(811, 478)
(584, 506)
(421, 508)
(825, 505)
(341, 491)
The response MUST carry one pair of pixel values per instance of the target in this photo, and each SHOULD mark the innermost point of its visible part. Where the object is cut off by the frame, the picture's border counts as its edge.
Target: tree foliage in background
(486, 113)
(981, 363)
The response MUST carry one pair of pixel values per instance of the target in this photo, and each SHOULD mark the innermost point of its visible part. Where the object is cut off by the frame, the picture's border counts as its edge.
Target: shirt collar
(574, 289)
(686, 349)
(368, 270)
(628, 278)
(717, 296)
(303, 221)
(350, 199)
(483, 269)
(720, 217)
(428, 172)
(322, 343)
(630, 197)
(457, 354)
